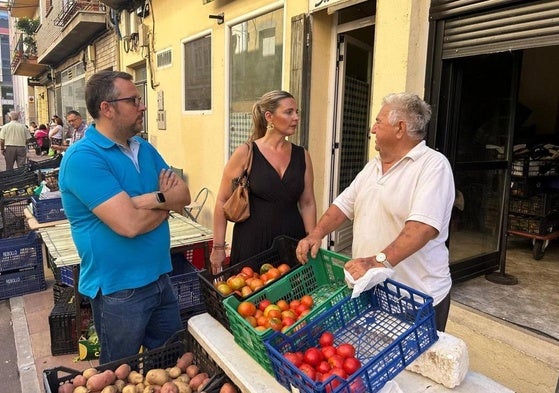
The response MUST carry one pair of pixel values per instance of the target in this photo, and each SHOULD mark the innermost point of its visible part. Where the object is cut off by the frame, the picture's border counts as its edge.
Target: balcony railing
(24, 57)
(71, 8)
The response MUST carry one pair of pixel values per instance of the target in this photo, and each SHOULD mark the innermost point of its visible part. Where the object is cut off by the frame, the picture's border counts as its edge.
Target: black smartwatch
(160, 197)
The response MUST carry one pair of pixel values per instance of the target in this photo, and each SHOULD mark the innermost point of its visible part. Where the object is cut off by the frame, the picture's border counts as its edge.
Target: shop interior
(532, 301)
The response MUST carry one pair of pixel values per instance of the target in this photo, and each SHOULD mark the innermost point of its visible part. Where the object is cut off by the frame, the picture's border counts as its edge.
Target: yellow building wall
(197, 143)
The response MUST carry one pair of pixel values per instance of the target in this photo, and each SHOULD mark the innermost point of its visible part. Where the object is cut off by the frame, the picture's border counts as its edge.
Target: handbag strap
(248, 165)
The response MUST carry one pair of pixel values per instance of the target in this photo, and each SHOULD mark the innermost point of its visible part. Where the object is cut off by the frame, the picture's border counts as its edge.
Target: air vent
(164, 58)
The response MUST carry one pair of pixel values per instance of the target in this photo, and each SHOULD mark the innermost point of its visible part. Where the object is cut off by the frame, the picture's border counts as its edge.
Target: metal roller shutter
(522, 26)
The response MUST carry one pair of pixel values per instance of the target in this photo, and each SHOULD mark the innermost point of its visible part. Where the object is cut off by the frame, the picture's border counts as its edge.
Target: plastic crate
(534, 225)
(282, 251)
(527, 187)
(389, 326)
(13, 173)
(22, 185)
(22, 282)
(20, 253)
(538, 205)
(196, 254)
(322, 278)
(12, 210)
(67, 275)
(185, 282)
(47, 210)
(45, 164)
(531, 168)
(162, 357)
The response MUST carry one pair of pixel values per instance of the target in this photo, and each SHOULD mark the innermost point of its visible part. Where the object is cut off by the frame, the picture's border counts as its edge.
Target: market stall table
(58, 245)
(249, 376)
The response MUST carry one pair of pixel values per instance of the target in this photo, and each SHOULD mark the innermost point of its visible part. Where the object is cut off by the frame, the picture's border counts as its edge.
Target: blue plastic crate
(22, 282)
(389, 326)
(47, 210)
(186, 284)
(20, 253)
(67, 275)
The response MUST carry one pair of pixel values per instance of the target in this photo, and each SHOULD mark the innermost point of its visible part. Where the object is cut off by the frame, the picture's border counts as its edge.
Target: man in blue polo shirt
(117, 192)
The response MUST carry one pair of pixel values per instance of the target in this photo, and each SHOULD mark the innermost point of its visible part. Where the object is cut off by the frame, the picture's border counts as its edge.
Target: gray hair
(411, 109)
(14, 115)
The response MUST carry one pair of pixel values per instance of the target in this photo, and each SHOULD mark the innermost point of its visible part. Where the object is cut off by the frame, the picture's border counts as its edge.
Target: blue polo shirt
(93, 171)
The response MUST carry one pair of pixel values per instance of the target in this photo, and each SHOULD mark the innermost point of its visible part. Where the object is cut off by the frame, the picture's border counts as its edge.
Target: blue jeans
(127, 319)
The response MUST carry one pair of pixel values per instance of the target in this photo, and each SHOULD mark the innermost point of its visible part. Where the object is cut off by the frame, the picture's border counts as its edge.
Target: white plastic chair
(193, 210)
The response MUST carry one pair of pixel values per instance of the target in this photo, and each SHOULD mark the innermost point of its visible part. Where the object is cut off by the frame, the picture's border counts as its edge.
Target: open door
(351, 131)
(478, 117)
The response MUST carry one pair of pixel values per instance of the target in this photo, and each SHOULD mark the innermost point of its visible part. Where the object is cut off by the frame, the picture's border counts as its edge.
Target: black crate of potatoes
(21, 266)
(162, 357)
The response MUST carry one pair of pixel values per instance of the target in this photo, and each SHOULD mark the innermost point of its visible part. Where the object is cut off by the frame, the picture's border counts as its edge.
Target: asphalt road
(9, 375)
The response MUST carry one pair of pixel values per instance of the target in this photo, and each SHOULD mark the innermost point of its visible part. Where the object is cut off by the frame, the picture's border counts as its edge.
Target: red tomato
(339, 372)
(328, 352)
(308, 370)
(346, 350)
(336, 361)
(263, 304)
(313, 356)
(293, 358)
(323, 367)
(357, 386)
(300, 309)
(351, 365)
(307, 300)
(326, 339)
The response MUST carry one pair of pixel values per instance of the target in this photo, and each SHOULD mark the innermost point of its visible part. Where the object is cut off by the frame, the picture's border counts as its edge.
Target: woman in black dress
(281, 183)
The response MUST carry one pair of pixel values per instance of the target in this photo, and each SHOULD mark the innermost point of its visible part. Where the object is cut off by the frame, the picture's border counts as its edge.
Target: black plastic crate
(190, 312)
(13, 173)
(22, 282)
(282, 251)
(20, 253)
(534, 225)
(162, 357)
(530, 168)
(527, 187)
(185, 282)
(45, 164)
(62, 323)
(19, 186)
(60, 291)
(537, 205)
(14, 222)
(47, 210)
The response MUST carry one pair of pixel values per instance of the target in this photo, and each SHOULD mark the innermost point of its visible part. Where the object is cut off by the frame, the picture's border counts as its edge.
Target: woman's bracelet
(219, 246)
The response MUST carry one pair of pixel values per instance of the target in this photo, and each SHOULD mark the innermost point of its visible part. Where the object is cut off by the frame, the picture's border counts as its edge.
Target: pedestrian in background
(400, 205)
(117, 192)
(56, 133)
(77, 130)
(13, 142)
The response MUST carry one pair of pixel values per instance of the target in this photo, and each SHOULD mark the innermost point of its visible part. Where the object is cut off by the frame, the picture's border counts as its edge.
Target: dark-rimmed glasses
(136, 100)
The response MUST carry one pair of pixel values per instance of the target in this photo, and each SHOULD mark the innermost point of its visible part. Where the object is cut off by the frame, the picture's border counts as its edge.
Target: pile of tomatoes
(248, 281)
(322, 362)
(278, 316)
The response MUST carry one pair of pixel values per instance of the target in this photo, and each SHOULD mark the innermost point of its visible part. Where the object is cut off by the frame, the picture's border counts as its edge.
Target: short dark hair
(100, 87)
(72, 112)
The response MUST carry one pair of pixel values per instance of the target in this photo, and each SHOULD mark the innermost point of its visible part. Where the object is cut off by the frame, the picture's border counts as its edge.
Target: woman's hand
(217, 258)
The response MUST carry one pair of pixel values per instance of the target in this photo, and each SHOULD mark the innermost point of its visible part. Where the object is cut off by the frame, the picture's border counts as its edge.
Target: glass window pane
(256, 67)
(198, 74)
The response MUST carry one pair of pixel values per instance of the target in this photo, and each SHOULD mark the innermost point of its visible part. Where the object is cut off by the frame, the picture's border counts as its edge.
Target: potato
(122, 371)
(120, 384)
(81, 389)
(192, 370)
(109, 389)
(183, 387)
(88, 373)
(197, 380)
(152, 389)
(227, 388)
(100, 381)
(169, 387)
(203, 385)
(157, 376)
(66, 388)
(183, 378)
(185, 360)
(140, 387)
(129, 388)
(174, 372)
(79, 380)
(135, 377)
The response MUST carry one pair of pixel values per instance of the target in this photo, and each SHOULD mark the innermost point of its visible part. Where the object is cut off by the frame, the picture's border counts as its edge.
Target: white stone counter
(250, 377)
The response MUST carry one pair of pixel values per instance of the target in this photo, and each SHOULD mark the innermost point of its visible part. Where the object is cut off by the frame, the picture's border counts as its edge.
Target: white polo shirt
(419, 187)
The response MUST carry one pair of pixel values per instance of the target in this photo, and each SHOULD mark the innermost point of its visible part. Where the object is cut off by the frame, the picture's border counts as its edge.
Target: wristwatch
(160, 197)
(381, 258)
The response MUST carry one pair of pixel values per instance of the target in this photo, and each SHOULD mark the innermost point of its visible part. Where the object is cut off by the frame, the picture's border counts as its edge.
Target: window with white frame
(198, 74)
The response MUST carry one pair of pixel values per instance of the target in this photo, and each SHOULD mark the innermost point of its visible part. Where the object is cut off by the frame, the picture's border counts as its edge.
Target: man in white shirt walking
(13, 142)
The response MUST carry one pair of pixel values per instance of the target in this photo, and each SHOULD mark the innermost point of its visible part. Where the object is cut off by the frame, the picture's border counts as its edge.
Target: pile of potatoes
(184, 377)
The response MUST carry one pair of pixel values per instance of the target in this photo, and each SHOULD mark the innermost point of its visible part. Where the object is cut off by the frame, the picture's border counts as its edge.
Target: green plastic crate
(322, 278)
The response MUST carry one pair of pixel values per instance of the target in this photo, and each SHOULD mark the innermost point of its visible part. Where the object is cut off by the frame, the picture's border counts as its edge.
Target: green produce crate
(322, 278)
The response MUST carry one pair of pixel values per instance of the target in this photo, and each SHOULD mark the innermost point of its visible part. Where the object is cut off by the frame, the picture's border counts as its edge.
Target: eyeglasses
(136, 100)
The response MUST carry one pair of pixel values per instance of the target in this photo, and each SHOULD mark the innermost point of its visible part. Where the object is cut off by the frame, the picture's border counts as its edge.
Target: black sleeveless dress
(274, 209)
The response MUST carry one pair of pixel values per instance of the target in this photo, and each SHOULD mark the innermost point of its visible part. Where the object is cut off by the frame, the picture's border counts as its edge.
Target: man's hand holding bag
(237, 207)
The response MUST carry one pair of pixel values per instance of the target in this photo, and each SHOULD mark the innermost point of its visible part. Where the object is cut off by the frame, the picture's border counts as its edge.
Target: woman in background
(281, 198)
(56, 133)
